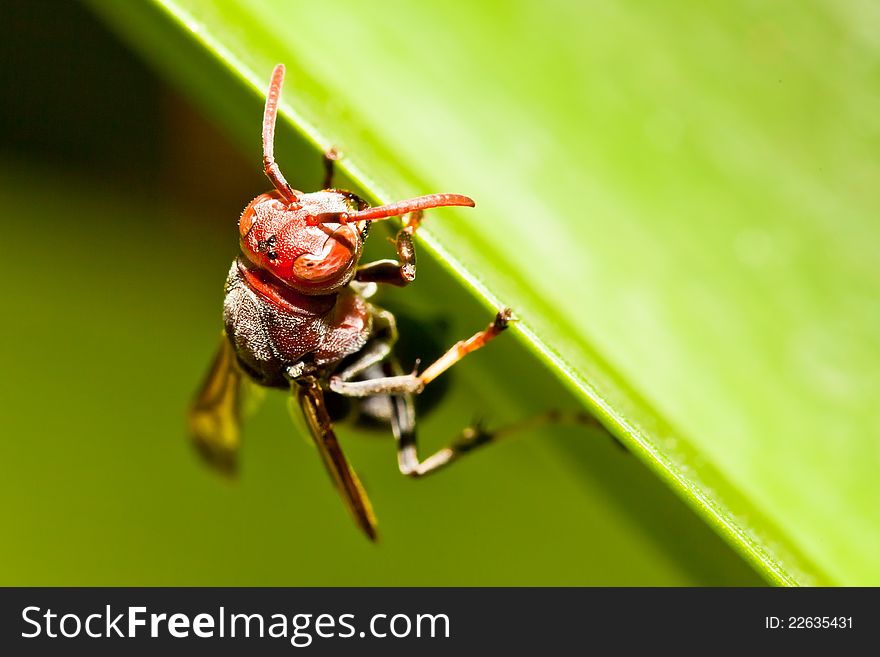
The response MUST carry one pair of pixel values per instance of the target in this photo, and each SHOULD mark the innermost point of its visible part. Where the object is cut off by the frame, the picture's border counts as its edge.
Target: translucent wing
(311, 401)
(215, 414)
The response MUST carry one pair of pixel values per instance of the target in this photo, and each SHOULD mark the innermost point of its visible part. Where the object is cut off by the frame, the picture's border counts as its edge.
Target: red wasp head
(284, 239)
(312, 242)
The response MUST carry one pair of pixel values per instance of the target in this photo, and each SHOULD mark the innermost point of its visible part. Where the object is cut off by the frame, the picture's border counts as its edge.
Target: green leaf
(678, 202)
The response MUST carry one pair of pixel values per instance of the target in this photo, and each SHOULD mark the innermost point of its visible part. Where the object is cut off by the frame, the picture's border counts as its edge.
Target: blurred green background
(677, 200)
(119, 205)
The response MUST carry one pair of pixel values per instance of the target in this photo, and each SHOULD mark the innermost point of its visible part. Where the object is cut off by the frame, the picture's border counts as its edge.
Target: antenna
(394, 209)
(269, 115)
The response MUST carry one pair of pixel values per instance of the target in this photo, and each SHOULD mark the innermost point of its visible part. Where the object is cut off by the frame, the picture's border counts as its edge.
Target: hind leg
(403, 424)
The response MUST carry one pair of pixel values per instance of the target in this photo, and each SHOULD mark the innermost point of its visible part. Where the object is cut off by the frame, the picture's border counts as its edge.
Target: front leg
(331, 156)
(398, 272)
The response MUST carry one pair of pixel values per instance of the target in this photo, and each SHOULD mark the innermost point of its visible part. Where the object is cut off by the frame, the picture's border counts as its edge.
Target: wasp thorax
(278, 237)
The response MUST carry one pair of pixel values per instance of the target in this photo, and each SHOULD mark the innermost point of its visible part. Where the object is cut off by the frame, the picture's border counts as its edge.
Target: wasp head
(312, 242)
(285, 239)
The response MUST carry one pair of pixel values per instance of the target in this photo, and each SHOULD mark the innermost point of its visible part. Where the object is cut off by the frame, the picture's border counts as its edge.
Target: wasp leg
(413, 383)
(398, 272)
(331, 155)
(215, 414)
(311, 399)
(470, 438)
(379, 346)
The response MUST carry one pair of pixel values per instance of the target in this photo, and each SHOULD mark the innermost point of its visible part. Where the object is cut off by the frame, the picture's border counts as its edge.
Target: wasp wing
(311, 401)
(215, 413)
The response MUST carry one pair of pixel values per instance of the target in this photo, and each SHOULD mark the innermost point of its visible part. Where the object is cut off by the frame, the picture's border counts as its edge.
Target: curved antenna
(271, 112)
(395, 209)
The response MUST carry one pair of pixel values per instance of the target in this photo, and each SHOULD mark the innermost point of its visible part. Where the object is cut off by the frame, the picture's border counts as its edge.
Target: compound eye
(335, 257)
(246, 221)
(249, 216)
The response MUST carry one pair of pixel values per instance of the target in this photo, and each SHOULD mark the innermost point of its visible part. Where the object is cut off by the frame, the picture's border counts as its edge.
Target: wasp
(297, 316)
